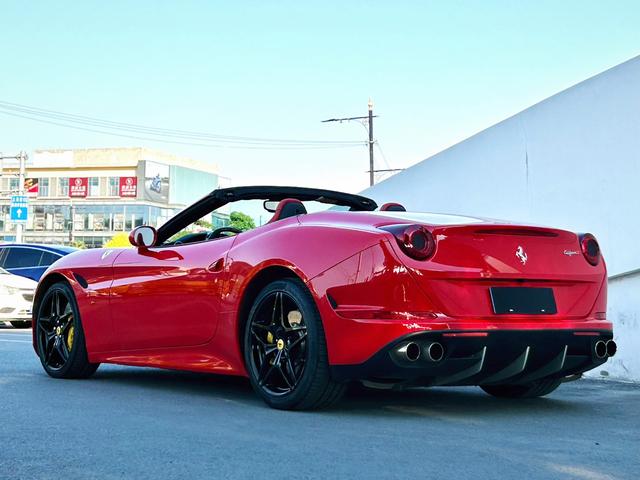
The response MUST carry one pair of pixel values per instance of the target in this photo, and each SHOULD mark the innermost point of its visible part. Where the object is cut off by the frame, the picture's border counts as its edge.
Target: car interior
(286, 208)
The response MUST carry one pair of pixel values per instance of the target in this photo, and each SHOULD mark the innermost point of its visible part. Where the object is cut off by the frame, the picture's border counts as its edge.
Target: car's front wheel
(539, 388)
(285, 350)
(59, 335)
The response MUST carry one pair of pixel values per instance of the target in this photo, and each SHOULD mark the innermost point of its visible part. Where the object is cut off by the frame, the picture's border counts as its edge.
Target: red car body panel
(181, 306)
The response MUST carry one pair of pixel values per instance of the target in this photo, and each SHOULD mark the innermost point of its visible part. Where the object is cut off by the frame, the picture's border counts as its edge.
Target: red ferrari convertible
(332, 289)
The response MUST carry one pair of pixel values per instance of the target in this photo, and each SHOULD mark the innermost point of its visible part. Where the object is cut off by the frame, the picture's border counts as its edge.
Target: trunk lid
(470, 259)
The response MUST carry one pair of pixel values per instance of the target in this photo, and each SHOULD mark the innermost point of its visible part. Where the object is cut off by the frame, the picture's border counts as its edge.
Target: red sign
(31, 186)
(128, 187)
(78, 187)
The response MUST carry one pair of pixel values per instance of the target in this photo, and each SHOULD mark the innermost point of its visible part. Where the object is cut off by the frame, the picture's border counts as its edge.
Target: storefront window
(93, 224)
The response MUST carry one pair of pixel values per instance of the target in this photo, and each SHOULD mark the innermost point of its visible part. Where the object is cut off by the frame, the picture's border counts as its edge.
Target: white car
(16, 299)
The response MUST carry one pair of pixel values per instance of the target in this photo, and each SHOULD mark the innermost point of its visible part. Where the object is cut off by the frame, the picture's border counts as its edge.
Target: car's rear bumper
(481, 357)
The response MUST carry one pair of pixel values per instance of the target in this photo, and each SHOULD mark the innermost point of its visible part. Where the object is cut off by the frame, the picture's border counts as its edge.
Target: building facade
(87, 196)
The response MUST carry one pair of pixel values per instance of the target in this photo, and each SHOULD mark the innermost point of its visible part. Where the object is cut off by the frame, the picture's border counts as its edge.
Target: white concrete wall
(624, 308)
(571, 161)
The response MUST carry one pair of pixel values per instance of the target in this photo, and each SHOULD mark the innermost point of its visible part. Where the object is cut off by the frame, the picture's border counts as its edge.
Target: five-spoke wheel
(285, 350)
(279, 347)
(60, 339)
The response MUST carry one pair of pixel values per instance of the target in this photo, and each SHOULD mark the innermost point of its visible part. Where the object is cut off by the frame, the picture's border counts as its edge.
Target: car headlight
(6, 290)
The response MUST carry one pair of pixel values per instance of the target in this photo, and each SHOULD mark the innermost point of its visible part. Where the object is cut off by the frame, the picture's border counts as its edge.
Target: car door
(168, 296)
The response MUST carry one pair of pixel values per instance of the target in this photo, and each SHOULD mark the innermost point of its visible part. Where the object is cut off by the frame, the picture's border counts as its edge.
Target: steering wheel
(217, 233)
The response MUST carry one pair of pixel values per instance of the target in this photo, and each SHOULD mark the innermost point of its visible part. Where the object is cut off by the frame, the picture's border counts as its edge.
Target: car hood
(16, 281)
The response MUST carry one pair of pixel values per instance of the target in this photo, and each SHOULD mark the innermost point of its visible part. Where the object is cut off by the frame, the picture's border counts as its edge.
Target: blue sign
(19, 213)
(17, 200)
(18, 208)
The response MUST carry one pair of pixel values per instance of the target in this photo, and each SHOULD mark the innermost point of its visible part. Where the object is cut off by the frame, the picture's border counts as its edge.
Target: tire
(59, 331)
(286, 359)
(539, 388)
(21, 324)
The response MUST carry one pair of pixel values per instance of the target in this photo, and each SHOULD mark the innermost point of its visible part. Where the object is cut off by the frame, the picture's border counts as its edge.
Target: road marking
(14, 341)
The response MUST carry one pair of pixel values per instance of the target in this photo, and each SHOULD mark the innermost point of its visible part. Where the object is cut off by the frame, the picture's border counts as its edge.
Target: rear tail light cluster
(590, 248)
(414, 240)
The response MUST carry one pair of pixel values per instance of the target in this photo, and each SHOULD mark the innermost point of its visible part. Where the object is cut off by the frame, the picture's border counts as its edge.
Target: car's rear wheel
(59, 335)
(539, 388)
(285, 350)
(21, 324)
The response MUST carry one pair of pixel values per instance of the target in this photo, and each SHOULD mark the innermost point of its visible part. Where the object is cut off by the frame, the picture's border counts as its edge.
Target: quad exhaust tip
(412, 351)
(612, 348)
(435, 352)
(600, 349)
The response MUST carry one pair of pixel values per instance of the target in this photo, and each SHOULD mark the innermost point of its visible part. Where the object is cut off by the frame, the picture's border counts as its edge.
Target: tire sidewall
(78, 333)
(311, 316)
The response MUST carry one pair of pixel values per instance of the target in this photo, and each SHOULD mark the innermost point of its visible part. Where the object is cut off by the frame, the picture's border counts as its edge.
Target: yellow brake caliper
(70, 335)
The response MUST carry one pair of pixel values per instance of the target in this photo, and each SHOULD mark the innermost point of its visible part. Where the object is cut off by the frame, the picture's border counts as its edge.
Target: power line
(142, 132)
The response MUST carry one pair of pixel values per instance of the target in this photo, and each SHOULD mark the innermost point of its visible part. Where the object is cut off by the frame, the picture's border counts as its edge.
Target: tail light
(414, 240)
(590, 248)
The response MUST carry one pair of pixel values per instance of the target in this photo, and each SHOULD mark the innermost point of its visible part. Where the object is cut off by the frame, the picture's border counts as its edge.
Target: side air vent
(81, 280)
(332, 301)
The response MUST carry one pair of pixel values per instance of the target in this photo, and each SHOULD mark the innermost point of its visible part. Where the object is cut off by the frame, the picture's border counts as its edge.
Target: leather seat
(289, 207)
(392, 207)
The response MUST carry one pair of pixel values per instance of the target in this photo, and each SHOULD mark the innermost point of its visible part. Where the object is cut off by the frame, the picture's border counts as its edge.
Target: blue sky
(438, 72)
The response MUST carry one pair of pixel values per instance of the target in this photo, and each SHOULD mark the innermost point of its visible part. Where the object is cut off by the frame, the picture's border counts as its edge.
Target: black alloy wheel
(59, 334)
(285, 350)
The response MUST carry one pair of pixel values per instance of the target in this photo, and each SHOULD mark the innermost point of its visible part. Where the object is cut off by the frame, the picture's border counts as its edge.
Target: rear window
(48, 258)
(18, 257)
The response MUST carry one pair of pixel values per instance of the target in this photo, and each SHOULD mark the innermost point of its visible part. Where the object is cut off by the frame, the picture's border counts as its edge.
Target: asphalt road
(144, 423)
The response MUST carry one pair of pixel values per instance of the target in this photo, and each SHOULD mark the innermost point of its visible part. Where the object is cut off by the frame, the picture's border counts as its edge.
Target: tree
(119, 240)
(204, 224)
(242, 221)
(78, 244)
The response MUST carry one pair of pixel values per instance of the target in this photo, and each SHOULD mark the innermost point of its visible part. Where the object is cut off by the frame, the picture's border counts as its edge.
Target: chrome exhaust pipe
(412, 351)
(435, 351)
(612, 348)
(600, 349)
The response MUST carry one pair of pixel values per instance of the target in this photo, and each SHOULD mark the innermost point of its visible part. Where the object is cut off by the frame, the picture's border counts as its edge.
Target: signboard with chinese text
(78, 187)
(129, 187)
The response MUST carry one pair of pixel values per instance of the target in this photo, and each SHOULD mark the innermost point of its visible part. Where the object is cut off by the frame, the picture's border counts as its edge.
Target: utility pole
(371, 180)
(22, 159)
(368, 119)
(23, 165)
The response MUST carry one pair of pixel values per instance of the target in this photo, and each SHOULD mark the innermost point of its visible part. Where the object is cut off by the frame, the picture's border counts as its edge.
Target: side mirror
(270, 205)
(143, 236)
